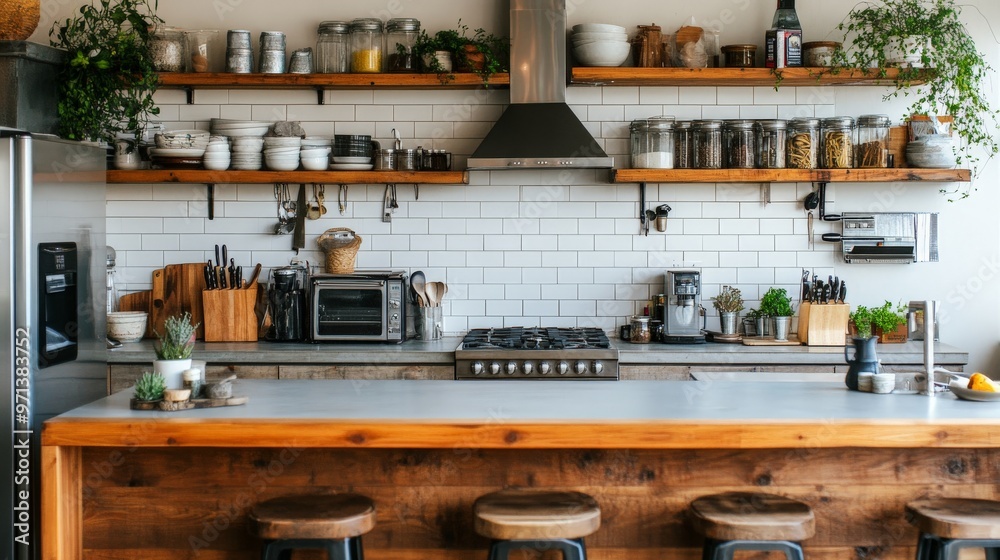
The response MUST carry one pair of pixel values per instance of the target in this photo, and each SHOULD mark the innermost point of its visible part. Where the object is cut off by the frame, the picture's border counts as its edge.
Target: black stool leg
(926, 547)
(340, 549)
(993, 553)
(336, 549)
(277, 550)
(572, 549)
(708, 550)
(725, 550)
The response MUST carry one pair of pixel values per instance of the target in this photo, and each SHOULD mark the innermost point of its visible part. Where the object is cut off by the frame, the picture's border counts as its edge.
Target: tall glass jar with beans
(738, 138)
(708, 144)
(683, 145)
(872, 149)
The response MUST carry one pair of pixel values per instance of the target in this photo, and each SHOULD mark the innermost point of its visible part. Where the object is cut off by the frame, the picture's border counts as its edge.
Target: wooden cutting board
(177, 288)
(769, 341)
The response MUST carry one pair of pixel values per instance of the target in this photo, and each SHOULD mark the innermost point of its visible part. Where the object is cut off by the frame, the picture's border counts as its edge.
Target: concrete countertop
(442, 352)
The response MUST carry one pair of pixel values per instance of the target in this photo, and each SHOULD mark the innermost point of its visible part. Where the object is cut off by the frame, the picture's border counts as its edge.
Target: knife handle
(208, 277)
(220, 273)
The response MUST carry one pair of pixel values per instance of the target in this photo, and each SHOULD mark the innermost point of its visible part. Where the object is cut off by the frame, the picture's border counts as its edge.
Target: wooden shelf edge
(327, 81)
(627, 76)
(790, 175)
(205, 177)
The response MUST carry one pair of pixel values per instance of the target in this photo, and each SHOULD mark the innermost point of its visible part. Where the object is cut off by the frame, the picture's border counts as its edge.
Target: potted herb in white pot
(173, 349)
(728, 303)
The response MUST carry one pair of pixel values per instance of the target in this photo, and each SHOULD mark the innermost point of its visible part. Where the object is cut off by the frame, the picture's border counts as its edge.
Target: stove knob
(511, 368)
(477, 368)
(544, 368)
(562, 368)
(394, 304)
(580, 368)
(598, 367)
(494, 368)
(528, 368)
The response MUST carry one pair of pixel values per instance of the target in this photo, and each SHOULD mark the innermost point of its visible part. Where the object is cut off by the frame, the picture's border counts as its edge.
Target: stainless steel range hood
(538, 129)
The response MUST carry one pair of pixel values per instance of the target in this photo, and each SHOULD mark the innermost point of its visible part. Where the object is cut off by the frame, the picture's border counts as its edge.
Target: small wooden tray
(769, 341)
(723, 338)
(187, 405)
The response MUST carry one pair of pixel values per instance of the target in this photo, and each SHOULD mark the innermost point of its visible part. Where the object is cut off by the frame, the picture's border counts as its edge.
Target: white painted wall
(526, 247)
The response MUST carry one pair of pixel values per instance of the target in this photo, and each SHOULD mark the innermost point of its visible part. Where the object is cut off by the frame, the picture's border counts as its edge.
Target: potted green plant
(728, 303)
(759, 322)
(935, 46)
(482, 53)
(777, 305)
(173, 349)
(148, 391)
(107, 82)
(865, 357)
(887, 321)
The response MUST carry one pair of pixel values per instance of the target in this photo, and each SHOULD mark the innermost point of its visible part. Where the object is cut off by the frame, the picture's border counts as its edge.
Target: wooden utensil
(431, 289)
(177, 288)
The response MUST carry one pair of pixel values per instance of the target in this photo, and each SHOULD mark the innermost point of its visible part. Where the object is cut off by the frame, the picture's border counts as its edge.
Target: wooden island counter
(131, 484)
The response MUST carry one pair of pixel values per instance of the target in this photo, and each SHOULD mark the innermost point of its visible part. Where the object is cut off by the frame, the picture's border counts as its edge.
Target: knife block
(823, 324)
(229, 315)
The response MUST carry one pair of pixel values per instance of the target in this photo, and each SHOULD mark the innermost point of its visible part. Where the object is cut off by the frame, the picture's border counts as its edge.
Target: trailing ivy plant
(955, 71)
(107, 82)
(492, 52)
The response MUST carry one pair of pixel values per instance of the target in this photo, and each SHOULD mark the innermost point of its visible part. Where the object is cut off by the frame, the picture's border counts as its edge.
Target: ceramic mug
(126, 154)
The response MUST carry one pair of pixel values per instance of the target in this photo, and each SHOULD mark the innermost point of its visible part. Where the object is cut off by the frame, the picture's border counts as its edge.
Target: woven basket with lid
(18, 19)
(341, 247)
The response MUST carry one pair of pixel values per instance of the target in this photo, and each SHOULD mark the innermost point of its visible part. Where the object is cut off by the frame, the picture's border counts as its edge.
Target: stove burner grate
(536, 338)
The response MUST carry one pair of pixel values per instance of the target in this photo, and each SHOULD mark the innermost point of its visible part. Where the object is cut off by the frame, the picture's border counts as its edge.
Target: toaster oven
(367, 305)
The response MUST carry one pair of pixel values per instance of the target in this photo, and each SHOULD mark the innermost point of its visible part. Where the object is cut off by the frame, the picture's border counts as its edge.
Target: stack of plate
(315, 153)
(235, 128)
(247, 154)
(181, 139)
(217, 155)
(348, 163)
(281, 153)
(179, 149)
(600, 44)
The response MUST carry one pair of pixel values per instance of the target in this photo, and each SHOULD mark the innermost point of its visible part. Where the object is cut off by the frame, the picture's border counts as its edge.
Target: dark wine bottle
(783, 42)
(785, 16)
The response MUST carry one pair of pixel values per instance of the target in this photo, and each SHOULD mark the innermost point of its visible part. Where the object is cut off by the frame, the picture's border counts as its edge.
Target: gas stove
(536, 353)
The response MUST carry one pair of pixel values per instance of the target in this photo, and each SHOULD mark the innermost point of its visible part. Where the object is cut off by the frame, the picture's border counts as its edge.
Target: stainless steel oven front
(368, 305)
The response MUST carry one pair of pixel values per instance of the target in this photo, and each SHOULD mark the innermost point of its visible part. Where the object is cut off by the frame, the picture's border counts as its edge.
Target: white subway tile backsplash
(656, 95)
(735, 96)
(560, 259)
(697, 95)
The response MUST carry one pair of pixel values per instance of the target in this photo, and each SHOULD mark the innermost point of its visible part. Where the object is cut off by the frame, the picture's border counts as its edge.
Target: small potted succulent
(728, 303)
(174, 348)
(148, 391)
(777, 305)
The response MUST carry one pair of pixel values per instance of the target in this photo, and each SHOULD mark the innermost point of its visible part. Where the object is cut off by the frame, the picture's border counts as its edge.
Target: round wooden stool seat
(339, 516)
(956, 518)
(536, 515)
(750, 516)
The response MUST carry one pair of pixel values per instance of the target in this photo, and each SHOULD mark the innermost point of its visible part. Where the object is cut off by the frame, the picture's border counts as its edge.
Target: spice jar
(740, 56)
(202, 49)
(738, 138)
(166, 47)
(819, 53)
(366, 45)
(652, 143)
(771, 144)
(333, 48)
(802, 150)
(837, 151)
(707, 144)
(400, 38)
(872, 149)
(640, 331)
(683, 142)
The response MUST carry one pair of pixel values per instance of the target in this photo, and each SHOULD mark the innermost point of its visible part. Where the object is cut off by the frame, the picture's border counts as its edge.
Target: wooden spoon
(440, 289)
(433, 298)
(417, 283)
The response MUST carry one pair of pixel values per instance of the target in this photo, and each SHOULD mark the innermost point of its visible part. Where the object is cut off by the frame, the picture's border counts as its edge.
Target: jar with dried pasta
(837, 151)
(802, 147)
(366, 45)
(872, 149)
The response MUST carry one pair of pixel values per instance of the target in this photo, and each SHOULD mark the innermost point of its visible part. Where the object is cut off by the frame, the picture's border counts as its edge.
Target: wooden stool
(751, 521)
(538, 520)
(332, 523)
(949, 524)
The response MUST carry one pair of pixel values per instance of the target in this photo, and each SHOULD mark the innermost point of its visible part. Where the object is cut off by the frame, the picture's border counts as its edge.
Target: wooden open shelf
(788, 175)
(328, 81)
(205, 177)
(730, 77)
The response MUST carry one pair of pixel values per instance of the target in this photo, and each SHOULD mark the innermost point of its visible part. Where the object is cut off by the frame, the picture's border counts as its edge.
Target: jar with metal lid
(166, 47)
(652, 142)
(740, 56)
(771, 143)
(400, 37)
(366, 45)
(333, 48)
(408, 159)
(802, 148)
(837, 151)
(707, 144)
(683, 143)
(872, 148)
(640, 332)
(819, 53)
(740, 144)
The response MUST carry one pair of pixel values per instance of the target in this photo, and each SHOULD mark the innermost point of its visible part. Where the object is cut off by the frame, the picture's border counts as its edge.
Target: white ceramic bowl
(314, 152)
(218, 148)
(127, 326)
(598, 28)
(216, 165)
(241, 132)
(282, 141)
(247, 144)
(316, 141)
(281, 164)
(602, 54)
(315, 164)
(600, 37)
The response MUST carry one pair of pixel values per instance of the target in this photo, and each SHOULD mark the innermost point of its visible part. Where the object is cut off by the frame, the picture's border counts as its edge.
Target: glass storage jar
(683, 142)
(740, 56)
(802, 148)
(400, 37)
(166, 47)
(740, 145)
(652, 142)
(333, 48)
(366, 45)
(640, 332)
(837, 151)
(707, 144)
(872, 148)
(771, 143)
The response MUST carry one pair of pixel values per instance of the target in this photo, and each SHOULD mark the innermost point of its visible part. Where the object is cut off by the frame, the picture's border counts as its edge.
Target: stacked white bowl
(233, 127)
(281, 153)
(600, 44)
(217, 154)
(315, 153)
(247, 154)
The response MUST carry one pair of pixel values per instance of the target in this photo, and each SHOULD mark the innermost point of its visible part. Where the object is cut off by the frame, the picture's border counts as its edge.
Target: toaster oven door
(350, 310)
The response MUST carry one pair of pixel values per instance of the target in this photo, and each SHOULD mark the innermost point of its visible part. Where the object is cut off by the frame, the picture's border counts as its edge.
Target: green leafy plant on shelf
(776, 303)
(483, 53)
(729, 300)
(149, 387)
(107, 82)
(887, 317)
(954, 70)
(177, 342)
(862, 319)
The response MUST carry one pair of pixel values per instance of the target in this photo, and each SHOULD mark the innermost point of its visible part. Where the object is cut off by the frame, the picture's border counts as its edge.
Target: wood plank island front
(128, 484)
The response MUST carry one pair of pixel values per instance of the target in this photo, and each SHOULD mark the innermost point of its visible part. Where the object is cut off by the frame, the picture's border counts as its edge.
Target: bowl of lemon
(977, 388)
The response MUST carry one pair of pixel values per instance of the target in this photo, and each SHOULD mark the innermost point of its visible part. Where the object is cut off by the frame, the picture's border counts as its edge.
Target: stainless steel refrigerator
(52, 308)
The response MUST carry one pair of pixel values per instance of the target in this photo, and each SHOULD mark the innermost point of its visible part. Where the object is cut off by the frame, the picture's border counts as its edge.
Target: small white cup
(126, 154)
(865, 381)
(883, 383)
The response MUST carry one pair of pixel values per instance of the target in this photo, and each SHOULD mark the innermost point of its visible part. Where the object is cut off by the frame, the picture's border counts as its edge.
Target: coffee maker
(683, 320)
(287, 299)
